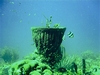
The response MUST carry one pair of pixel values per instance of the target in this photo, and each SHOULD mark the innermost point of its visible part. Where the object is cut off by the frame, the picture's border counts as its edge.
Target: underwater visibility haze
(81, 18)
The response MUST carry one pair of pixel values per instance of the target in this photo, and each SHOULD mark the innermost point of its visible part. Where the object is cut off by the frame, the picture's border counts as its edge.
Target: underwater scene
(49, 37)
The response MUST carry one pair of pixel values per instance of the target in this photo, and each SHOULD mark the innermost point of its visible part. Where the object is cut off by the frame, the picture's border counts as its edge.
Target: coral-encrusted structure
(48, 41)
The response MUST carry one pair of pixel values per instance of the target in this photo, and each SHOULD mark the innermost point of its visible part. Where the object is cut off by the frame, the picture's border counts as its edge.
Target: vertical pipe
(84, 66)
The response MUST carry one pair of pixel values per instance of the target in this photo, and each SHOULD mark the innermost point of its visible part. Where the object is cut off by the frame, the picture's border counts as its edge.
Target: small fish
(70, 35)
(20, 20)
(19, 3)
(2, 14)
(34, 14)
(29, 14)
(14, 11)
(12, 2)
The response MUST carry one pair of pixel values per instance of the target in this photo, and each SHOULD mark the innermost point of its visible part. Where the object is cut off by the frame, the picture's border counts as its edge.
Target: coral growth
(29, 67)
(4, 69)
(9, 55)
(50, 57)
(69, 65)
(89, 55)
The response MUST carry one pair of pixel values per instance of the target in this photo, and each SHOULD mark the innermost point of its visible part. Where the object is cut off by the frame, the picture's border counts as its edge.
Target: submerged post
(84, 66)
(48, 41)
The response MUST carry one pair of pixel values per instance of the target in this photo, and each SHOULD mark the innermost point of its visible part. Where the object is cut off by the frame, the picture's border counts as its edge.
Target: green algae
(92, 66)
(51, 59)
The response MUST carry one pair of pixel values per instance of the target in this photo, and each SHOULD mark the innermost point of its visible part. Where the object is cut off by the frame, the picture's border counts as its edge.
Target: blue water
(82, 17)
